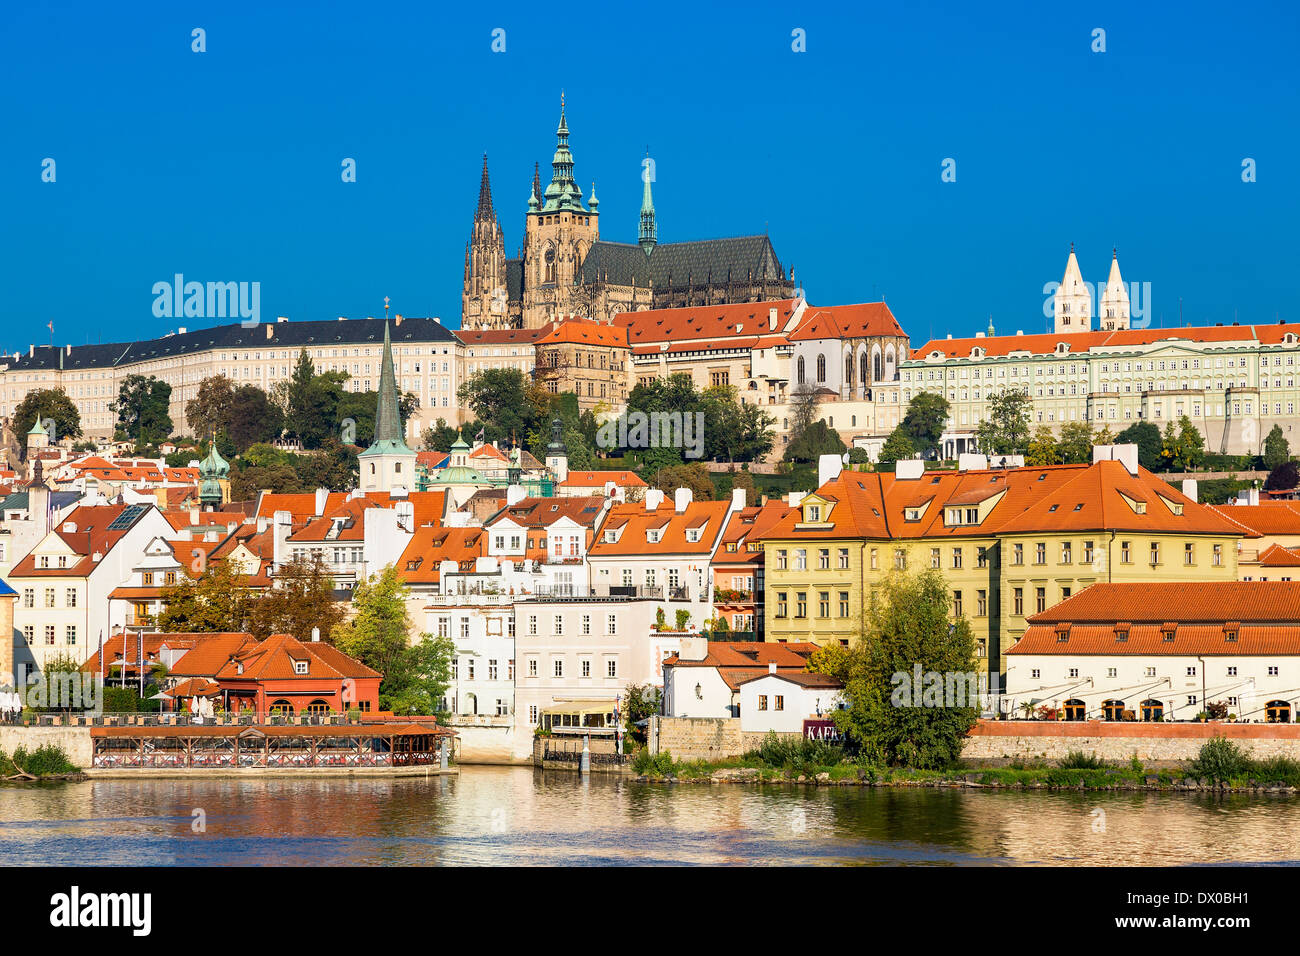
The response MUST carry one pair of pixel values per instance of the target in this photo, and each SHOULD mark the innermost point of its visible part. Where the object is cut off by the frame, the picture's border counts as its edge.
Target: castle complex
(565, 268)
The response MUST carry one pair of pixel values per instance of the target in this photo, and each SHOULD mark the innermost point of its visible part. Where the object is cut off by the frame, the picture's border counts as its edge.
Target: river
(517, 815)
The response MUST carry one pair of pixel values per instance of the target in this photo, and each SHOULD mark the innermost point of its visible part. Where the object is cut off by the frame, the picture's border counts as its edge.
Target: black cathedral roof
(714, 261)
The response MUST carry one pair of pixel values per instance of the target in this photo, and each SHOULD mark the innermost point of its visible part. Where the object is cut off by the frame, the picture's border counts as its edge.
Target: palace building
(565, 268)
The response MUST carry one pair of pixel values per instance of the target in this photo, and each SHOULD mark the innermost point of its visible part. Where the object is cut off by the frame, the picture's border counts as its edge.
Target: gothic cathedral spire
(484, 293)
(648, 233)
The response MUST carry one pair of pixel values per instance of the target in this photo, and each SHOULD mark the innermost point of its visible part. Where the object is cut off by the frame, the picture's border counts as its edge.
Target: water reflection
(523, 816)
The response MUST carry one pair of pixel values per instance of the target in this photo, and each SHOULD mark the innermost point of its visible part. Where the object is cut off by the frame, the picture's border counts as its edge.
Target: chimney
(270, 331)
(693, 649)
(828, 468)
(682, 499)
(1125, 454)
(654, 497)
(69, 527)
(1252, 496)
(315, 635)
(794, 497)
(322, 497)
(514, 494)
(771, 319)
(285, 318)
(194, 516)
(909, 469)
(1189, 488)
(738, 498)
(771, 667)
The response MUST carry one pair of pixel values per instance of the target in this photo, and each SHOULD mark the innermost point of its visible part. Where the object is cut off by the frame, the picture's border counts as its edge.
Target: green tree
(505, 402)
(642, 701)
(209, 411)
(898, 447)
(1276, 448)
(302, 599)
(254, 418)
(46, 403)
(889, 720)
(1191, 445)
(1149, 443)
(1075, 443)
(142, 408)
(1043, 449)
(1283, 478)
(415, 675)
(440, 436)
(1006, 429)
(693, 476)
(926, 418)
(209, 600)
(814, 441)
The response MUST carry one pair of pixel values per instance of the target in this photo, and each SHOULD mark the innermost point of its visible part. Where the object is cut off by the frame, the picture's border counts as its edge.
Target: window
(532, 667)
(778, 702)
(586, 624)
(1040, 599)
(1217, 556)
(492, 669)
(823, 603)
(1087, 552)
(824, 559)
(1189, 553)
(559, 625)
(762, 702)
(981, 603)
(936, 559)
(844, 558)
(1018, 554)
(781, 559)
(300, 667)
(956, 559)
(1035, 673)
(532, 624)
(844, 604)
(72, 597)
(1066, 552)
(611, 668)
(956, 604)
(1232, 672)
(1155, 553)
(801, 559)
(1040, 553)
(49, 634)
(70, 635)
(611, 624)
(900, 559)
(559, 667)
(800, 603)
(1018, 601)
(49, 597)
(586, 668)
(1272, 671)
(782, 609)
(1125, 553)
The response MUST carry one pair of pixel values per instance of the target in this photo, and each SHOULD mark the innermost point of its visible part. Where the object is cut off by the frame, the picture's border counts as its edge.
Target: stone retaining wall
(992, 740)
(704, 738)
(75, 741)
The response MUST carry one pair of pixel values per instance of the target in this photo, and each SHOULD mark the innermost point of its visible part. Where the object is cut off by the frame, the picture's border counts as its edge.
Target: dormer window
(812, 513)
(693, 534)
(300, 667)
(611, 536)
(652, 535)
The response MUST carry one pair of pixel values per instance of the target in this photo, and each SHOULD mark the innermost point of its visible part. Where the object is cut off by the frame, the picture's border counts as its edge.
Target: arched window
(821, 368)
(282, 707)
(550, 266)
(799, 371)
(877, 371)
(1075, 709)
(889, 363)
(318, 707)
(1113, 709)
(863, 368)
(1153, 710)
(1277, 712)
(848, 371)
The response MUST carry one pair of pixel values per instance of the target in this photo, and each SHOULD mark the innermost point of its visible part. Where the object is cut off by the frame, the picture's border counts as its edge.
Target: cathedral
(564, 268)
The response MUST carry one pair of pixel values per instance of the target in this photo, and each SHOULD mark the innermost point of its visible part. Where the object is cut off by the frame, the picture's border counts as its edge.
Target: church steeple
(388, 463)
(563, 193)
(1073, 303)
(483, 294)
(648, 234)
(1114, 311)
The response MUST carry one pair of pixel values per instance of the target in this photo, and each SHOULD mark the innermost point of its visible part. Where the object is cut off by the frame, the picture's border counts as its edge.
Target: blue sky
(225, 165)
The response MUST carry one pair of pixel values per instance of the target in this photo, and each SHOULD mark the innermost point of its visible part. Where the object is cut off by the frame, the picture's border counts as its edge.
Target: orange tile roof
(597, 479)
(207, 656)
(1277, 517)
(299, 505)
(578, 331)
(498, 336)
(1045, 343)
(541, 513)
(722, 322)
(746, 525)
(847, 322)
(635, 521)
(429, 546)
(273, 659)
(91, 537)
(1276, 556)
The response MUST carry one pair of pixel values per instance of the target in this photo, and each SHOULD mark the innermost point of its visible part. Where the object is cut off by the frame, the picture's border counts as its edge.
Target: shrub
(795, 754)
(659, 765)
(1078, 760)
(46, 760)
(1279, 768)
(1220, 759)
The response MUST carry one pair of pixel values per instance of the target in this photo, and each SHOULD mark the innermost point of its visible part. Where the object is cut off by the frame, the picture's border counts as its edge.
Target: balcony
(633, 591)
(679, 594)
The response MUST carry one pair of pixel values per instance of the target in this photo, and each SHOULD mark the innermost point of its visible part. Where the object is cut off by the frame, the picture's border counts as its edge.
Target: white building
(1162, 651)
(779, 702)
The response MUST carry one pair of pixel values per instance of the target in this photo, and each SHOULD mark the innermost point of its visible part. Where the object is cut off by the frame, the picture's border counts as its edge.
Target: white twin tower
(1072, 302)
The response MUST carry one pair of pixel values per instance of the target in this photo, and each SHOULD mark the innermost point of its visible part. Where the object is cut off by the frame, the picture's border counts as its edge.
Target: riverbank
(849, 774)
(247, 773)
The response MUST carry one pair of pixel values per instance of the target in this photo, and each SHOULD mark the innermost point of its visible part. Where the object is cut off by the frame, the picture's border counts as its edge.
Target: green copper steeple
(563, 193)
(649, 233)
(388, 416)
(212, 471)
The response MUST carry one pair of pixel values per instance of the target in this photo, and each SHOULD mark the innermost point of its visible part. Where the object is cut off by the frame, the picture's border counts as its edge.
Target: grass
(1223, 761)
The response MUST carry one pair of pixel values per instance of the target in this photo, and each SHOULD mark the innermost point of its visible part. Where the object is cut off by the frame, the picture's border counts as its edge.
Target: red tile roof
(724, 323)
(847, 322)
(597, 479)
(1277, 517)
(91, 537)
(633, 521)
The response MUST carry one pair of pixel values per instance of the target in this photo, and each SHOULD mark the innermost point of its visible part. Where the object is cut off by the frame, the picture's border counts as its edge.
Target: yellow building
(1010, 542)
